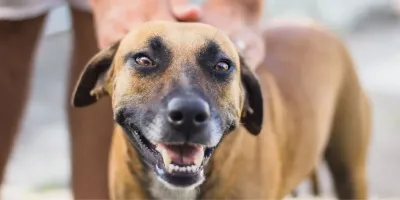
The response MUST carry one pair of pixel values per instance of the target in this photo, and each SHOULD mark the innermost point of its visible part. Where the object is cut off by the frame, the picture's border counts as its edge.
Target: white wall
(340, 15)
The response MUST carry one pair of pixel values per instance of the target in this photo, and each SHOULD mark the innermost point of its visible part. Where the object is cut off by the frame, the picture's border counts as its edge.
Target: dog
(194, 121)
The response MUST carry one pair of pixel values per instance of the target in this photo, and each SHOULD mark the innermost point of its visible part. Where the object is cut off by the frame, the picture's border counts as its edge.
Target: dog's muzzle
(177, 138)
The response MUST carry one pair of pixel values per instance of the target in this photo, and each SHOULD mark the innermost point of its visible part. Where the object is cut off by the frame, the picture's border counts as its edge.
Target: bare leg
(91, 127)
(18, 40)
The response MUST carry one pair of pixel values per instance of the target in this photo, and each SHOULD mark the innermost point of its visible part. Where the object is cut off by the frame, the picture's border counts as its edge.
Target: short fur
(311, 107)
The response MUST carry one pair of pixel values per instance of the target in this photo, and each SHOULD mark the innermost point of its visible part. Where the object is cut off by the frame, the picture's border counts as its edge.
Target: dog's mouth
(184, 158)
(180, 165)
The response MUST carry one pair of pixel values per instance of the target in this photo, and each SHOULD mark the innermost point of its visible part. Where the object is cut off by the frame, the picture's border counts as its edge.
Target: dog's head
(176, 89)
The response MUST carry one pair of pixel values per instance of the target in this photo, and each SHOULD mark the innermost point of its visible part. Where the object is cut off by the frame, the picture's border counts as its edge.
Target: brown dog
(192, 120)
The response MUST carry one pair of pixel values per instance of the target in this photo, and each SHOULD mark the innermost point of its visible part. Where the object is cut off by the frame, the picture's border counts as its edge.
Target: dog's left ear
(252, 113)
(91, 85)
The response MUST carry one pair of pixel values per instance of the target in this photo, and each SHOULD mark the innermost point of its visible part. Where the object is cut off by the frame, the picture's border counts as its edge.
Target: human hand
(114, 18)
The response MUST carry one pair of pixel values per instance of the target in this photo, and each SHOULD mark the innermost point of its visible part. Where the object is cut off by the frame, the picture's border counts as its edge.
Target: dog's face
(176, 89)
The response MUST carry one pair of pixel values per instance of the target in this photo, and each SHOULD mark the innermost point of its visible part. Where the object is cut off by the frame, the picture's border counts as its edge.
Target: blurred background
(39, 167)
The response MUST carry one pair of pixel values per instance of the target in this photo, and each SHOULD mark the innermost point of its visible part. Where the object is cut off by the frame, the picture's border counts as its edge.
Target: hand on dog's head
(174, 85)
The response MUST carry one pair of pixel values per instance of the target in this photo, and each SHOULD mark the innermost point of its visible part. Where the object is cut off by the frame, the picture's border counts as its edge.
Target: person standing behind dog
(96, 24)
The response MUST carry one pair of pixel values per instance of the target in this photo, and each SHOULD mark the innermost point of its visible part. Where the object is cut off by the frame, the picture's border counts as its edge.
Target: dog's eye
(144, 61)
(222, 67)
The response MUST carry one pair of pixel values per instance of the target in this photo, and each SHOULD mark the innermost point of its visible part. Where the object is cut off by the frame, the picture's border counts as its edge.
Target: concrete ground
(39, 168)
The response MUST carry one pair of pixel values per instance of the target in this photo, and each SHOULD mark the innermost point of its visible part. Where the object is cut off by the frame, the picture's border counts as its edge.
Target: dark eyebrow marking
(156, 44)
(208, 54)
(159, 50)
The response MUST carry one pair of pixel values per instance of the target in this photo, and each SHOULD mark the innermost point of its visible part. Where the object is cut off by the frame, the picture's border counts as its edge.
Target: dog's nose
(188, 112)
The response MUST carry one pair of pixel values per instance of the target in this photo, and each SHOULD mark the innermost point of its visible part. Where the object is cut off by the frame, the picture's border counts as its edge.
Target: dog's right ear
(91, 86)
(252, 116)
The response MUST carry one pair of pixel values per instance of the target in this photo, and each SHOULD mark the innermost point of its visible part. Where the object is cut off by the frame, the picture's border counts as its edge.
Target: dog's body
(314, 108)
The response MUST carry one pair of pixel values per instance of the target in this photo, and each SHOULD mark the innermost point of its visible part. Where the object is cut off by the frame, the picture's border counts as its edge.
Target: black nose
(188, 112)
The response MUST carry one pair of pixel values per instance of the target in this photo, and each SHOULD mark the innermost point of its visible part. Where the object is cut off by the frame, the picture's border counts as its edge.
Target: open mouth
(178, 164)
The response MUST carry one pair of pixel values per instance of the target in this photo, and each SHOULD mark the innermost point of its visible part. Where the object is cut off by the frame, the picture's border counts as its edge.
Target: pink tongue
(182, 154)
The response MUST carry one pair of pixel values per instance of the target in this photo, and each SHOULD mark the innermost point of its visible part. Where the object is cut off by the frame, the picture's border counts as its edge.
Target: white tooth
(180, 169)
(206, 160)
(176, 168)
(188, 169)
(194, 168)
(170, 168)
(164, 154)
(199, 157)
(166, 158)
(183, 169)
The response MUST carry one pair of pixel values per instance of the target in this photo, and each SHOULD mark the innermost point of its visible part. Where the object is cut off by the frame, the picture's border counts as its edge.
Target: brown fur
(314, 108)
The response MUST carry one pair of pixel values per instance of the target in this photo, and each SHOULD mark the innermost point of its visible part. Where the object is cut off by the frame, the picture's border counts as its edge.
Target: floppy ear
(90, 86)
(252, 114)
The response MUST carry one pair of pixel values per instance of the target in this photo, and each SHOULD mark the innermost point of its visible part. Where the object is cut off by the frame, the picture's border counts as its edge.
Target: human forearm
(250, 9)
(114, 18)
